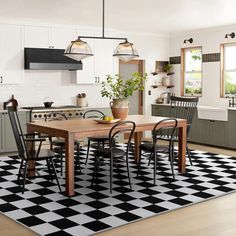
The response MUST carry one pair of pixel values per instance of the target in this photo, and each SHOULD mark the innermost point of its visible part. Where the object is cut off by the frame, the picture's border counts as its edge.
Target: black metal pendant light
(78, 49)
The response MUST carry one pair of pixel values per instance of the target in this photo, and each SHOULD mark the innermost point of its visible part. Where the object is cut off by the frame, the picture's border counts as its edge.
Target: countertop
(166, 104)
(3, 111)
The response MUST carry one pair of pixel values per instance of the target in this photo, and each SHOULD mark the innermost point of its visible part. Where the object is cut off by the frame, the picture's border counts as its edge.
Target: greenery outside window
(191, 74)
(228, 69)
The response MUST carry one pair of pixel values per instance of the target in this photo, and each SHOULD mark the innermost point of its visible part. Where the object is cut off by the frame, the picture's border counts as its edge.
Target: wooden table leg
(69, 155)
(182, 148)
(137, 142)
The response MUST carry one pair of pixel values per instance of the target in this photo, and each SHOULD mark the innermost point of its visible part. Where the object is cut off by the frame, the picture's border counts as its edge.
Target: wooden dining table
(71, 130)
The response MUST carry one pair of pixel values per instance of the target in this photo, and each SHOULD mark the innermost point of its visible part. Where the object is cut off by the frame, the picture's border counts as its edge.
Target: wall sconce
(188, 40)
(232, 35)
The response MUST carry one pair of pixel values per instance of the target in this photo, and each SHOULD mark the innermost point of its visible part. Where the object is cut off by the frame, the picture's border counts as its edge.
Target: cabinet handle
(1, 81)
(98, 79)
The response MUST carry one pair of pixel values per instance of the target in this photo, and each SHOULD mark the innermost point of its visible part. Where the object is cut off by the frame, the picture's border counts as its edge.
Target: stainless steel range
(41, 113)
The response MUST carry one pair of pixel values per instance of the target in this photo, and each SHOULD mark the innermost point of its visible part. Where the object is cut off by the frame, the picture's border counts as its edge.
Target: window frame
(222, 67)
(183, 72)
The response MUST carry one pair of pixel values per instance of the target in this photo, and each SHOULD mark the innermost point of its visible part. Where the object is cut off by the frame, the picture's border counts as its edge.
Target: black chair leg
(171, 159)
(127, 164)
(111, 173)
(78, 158)
(189, 155)
(24, 177)
(49, 169)
(140, 161)
(155, 166)
(87, 155)
(61, 159)
(55, 173)
(150, 158)
(95, 170)
(20, 170)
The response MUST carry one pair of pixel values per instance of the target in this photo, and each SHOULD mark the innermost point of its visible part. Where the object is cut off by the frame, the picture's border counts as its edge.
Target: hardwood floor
(211, 218)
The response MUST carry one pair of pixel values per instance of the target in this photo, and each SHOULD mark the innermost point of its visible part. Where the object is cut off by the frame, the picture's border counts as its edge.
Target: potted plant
(168, 68)
(119, 90)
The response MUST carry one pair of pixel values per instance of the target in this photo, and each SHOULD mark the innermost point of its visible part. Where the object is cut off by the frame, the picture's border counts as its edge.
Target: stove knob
(81, 113)
(49, 115)
(54, 115)
(35, 116)
(40, 116)
(44, 115)
(70, 114)
(76, 113)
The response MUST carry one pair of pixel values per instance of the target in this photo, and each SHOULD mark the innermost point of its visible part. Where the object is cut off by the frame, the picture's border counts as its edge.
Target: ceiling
(151, 16)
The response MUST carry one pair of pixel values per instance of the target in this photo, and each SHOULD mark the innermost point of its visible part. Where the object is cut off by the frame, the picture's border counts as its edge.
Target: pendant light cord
(103, 18)
(103, 28)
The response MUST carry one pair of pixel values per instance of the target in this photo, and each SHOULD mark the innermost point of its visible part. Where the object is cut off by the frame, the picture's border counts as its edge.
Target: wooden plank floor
(211, 218)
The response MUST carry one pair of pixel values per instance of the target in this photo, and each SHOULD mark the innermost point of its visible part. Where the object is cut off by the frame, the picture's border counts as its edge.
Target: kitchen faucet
(231, 101)
(168, 96)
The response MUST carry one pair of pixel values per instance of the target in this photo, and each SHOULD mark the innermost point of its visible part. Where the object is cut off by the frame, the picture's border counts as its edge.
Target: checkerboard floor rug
(46, 211)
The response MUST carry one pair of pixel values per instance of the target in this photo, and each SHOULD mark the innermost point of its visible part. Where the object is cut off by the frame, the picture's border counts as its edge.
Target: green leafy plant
(168, 68)
(117, 88)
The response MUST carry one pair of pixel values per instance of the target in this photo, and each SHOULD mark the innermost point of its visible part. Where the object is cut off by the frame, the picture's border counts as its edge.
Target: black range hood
(49, 59)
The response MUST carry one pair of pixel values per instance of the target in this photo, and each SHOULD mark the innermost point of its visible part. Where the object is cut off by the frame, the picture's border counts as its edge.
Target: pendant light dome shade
(126, 51)
(78, 50)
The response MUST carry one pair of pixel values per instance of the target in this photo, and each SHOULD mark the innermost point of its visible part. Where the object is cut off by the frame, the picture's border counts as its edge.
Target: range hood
(49, 59)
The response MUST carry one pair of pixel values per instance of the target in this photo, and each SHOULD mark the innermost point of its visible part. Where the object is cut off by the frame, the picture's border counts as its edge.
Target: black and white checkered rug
(46, 211)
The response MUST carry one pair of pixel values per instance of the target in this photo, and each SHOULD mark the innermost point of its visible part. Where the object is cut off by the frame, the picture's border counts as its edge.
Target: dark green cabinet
(7, 139)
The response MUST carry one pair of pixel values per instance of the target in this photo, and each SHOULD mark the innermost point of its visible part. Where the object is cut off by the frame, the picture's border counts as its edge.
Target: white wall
(210, 41)
(61, 86)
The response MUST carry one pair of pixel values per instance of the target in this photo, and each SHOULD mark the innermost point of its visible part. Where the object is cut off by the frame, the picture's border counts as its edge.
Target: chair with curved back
(58, 144)
(114, 153)
(30, 155)
(100, 141)
(153, 148)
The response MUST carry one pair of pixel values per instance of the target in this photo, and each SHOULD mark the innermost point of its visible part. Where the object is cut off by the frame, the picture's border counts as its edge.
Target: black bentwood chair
(30, 155)
(58, 144)
(151, 149)
(114, 153)
(184, 108)
(100, 141)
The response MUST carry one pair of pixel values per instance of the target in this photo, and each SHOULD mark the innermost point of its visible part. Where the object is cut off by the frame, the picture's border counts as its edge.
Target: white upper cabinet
(61, 37)
(48, 37)
(11, 54)
(36, 37)
(97, 67)
(103, 54)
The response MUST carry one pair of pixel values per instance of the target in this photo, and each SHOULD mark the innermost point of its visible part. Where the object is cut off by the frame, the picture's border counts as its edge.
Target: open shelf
(159, 68)
(158, 86)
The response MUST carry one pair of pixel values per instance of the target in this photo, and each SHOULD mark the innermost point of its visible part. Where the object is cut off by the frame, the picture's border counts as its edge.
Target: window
(191, 63)
(228, 69)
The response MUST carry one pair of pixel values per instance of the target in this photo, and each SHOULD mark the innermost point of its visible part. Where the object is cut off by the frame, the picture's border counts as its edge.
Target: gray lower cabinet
(232, 129)
(161, 110)
(1, 138)
(210, 132)
(7, 139)
(213, 132)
